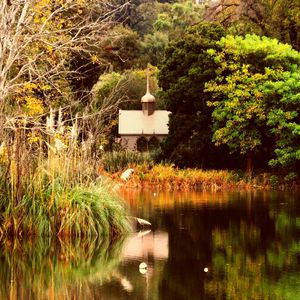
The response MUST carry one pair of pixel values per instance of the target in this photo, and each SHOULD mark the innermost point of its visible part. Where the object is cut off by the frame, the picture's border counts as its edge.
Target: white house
(142, 130)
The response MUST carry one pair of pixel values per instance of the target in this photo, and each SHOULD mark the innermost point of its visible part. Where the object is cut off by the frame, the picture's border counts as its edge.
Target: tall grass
(164, 176)
(51, 186)
(119, 160)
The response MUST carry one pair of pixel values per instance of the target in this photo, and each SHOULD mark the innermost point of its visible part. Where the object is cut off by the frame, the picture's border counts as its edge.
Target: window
(142, 144)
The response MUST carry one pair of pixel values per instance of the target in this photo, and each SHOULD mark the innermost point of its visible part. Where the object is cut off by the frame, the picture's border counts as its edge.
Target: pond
(233, 245)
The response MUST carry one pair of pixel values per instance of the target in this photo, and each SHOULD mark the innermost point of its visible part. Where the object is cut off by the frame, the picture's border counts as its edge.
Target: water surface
(200, 246)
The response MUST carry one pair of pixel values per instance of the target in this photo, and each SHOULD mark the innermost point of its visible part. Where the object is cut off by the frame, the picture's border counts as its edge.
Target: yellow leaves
(289, 115)
(114, 122)
(50, 49)
(258, 76)
(95, 58)
(32, 137)
(46, 87)
(30, 86)
(27, 98)
(258, 94)
(220, 137)
(233, 103)
(33, 106)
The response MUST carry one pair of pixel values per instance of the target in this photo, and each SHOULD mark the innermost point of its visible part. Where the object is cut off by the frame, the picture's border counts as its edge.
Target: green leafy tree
(183, 73)
(170, 23)
(256, 98)
(153, 47)
(283, 117)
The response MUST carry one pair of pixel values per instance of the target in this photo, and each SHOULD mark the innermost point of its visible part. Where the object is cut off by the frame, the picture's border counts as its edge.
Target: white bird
(126, 174)
(142, 221)
(126, 284)
(143, 233)
(143, 268)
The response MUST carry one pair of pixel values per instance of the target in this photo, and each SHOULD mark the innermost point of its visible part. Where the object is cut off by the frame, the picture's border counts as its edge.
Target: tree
(256, 97)
(121, 91)
(170, 23)
(38, 40)
(283, 117)
(276, 18)
(121, 49)
(153, 47)
(183, 73)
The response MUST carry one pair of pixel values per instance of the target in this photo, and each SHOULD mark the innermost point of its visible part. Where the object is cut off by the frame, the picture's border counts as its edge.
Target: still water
(200, 246)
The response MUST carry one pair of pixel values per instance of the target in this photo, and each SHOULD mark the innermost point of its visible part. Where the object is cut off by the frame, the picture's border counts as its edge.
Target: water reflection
(226, 245)
(60, 269)
(200, 246)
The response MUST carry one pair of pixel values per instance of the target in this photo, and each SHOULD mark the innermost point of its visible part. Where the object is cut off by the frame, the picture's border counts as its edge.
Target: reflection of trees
(43, 269)
(192, 244)
(249, 242)
(267, 273)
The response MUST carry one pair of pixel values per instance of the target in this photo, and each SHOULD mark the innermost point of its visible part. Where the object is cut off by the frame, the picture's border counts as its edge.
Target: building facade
(143, 130)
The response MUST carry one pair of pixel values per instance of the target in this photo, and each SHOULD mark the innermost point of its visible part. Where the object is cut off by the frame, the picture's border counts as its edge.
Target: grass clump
(52, 187)
(53, 208)
(172, 178)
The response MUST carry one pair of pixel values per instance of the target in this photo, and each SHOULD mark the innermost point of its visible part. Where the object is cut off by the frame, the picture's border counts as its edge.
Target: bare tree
(274, 18)
(38, 38)
(224, 11)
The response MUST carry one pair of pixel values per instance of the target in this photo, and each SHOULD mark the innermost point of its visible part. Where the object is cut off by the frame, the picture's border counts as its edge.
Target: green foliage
(50, 186)
(275, 18)
(170, 24)
(274, 181)
(254, 95)
(177, 17)
(183, 73)
(140, 15)
(153, 47)
(64, 207)
(290, 177)
(105, 87)
(123, 51)
(130, 85)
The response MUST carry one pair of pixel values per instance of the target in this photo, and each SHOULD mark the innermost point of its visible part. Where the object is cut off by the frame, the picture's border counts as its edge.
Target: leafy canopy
(256, 93)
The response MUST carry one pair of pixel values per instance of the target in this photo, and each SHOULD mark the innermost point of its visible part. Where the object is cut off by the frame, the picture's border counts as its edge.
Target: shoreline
(169, 178)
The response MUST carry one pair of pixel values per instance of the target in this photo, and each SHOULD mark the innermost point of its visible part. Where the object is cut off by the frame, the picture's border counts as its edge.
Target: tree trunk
(249, 163)
(293, 34)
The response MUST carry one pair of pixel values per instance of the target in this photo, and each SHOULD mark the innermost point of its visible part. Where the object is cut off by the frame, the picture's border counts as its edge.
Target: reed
(116, 161)
(51, 186)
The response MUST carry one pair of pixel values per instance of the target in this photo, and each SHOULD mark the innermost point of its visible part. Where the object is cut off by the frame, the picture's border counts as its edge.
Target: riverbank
(58, 196)
(168, 177)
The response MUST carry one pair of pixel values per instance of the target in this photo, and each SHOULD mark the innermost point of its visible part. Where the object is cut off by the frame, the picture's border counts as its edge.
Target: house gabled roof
(134, 122)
